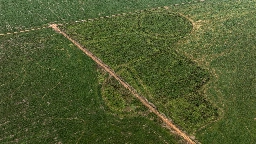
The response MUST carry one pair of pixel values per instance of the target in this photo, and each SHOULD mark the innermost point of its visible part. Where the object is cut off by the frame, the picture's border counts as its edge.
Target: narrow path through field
(126, 85)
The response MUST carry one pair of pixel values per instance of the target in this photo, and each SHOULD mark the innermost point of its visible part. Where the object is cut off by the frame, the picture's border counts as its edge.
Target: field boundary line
(98, 18)
(135, 12)
(25, 30)
(143, 100)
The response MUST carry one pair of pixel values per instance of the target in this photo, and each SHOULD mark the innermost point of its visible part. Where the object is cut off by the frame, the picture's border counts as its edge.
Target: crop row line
(94, 19)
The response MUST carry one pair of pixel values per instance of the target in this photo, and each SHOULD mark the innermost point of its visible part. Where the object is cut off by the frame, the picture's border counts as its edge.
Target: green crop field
(195, 61)
(51, 92)
(139, 48)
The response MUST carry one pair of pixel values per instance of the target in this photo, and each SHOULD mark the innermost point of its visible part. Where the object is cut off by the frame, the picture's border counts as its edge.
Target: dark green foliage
(140, 48)
(50, 93)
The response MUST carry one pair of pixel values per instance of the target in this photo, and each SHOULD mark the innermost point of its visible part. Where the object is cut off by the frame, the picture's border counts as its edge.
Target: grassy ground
(139, 48)
(20, 14)
(50, 93)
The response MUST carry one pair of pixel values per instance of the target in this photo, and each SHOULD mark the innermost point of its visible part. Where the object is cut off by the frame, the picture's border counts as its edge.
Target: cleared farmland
(53, 93)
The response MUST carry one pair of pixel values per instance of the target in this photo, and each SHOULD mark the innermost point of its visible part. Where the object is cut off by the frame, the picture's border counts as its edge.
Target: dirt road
(126, 85)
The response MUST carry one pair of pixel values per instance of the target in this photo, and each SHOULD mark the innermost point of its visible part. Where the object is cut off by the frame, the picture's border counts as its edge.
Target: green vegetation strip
(50, 93)
(139, 47)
